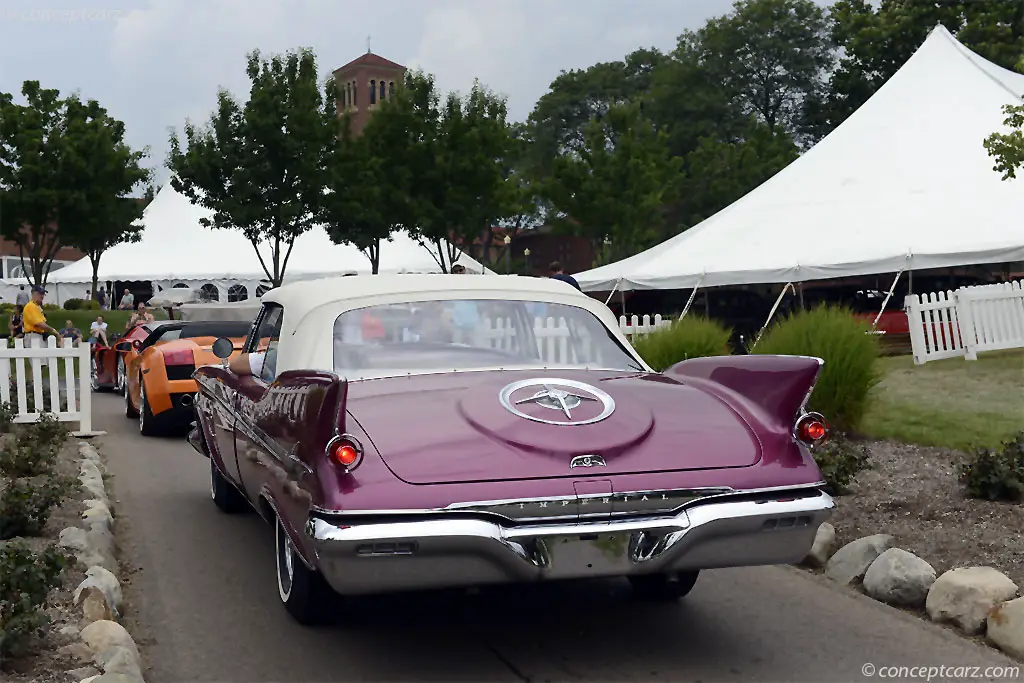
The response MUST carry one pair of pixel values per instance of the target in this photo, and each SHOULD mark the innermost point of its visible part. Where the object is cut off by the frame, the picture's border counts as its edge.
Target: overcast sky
(155, 63)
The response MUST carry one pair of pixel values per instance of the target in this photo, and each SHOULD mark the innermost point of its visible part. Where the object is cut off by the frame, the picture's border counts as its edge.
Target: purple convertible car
(426, 431)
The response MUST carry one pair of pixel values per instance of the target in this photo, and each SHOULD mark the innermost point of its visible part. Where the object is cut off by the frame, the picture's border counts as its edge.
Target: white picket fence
(554, 338)
(966, 322)
(63, 389)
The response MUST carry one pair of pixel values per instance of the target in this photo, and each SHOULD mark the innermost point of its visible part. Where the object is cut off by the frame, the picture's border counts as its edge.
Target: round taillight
(344, 454)
(811, 428)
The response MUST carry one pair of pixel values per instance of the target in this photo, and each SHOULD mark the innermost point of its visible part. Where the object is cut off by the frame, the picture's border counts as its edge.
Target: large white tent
(903, 183)
(176, 248)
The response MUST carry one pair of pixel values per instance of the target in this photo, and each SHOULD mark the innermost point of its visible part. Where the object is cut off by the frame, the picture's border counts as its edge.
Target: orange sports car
(158, 371)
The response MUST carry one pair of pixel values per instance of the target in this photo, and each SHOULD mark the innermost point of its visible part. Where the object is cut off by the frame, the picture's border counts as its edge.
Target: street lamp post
(508, 255)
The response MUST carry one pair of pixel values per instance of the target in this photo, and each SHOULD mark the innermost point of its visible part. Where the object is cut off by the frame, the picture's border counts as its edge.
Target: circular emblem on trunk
(576, 403)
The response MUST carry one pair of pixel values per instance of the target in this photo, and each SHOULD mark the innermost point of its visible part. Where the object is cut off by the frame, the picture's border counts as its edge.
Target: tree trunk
(94, 259)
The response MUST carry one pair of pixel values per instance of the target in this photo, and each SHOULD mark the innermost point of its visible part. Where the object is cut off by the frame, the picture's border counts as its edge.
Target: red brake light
(179, 357)
(811, 428)
(344, 453)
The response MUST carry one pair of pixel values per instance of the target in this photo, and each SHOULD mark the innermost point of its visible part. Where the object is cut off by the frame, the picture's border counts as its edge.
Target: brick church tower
(363, 83)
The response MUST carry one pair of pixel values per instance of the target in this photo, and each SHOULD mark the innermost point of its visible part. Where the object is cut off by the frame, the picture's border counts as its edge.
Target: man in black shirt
(557, 273)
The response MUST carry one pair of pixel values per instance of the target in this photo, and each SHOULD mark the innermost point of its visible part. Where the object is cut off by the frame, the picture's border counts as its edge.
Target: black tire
(130, 411)
(225, 496)
(120, 385)
(94, 380)
(303, 592)
(663, 587)
(149, 424)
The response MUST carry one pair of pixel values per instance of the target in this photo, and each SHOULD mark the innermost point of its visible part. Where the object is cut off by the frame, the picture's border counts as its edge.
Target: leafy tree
(877, 41)
(575, 97)
(376, 180)
(60, 159)
(110, 215)
(770, 56)
(354, 209)
(616, 186)
(468, 188)
(1008, 148)
(719, 172)
(259, 167)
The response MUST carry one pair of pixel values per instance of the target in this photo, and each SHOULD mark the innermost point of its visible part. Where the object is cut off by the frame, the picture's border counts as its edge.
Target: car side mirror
(223, 347)
(123, 347)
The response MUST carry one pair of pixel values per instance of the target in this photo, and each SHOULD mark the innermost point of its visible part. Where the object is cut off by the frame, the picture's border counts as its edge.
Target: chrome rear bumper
(459, 552)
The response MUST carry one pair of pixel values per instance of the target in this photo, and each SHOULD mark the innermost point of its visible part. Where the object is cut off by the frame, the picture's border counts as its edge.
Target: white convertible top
(312, 306)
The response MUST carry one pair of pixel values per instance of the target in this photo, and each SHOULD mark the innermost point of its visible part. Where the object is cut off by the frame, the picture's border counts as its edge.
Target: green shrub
(833, 334)
(26, 579)
(26, 504)
(74, 304)
(996, 474)
(51, 307)
(7, 414)
(840, 460)
(33, 451)
(689, 337)
(7, 309)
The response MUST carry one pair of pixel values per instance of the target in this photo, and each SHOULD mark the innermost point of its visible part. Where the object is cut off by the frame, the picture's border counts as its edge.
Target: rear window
(464, 334)
(217, 328)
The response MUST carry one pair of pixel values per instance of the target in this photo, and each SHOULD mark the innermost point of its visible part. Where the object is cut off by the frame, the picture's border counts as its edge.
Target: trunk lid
(451, 428)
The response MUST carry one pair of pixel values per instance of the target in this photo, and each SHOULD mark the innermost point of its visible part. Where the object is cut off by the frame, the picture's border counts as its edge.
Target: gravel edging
(104, 641)
(976, 601)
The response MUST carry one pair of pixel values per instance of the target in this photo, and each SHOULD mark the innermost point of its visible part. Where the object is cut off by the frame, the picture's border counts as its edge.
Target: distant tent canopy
(177, 249)
(903, 183)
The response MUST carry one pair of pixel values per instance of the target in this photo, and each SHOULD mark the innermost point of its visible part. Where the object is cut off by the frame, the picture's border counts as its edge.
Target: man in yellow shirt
(35, 322)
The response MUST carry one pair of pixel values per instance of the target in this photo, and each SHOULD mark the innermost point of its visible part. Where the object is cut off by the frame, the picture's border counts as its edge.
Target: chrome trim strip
(723, 494)
(456, 552)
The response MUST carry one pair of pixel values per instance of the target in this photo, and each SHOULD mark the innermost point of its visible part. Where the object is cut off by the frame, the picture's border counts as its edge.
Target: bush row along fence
(966, 322)
(57, 380)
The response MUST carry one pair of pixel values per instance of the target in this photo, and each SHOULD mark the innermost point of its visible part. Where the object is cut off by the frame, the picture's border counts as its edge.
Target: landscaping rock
(112, 678)
(964, 596)
(1005, 626)
(899, 578)
(79, 651)
(94, 485)
(120, 660)
(824, 544)
(104, 635)
(73, 538)
(84, 672)
(98, 515)
(852, 560)
(99, 595)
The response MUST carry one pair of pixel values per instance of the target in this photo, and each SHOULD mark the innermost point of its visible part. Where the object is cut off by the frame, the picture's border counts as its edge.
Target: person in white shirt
(98, 331)
(262, 364)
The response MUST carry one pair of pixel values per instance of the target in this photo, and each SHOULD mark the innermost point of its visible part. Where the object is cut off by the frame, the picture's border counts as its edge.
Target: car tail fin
(779, 386)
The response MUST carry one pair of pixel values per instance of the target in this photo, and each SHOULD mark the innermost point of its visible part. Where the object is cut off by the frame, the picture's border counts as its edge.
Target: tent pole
(800, 290)
(693, 295)
(789, 286)
(622, 298)
(887, 297)
(614, 289)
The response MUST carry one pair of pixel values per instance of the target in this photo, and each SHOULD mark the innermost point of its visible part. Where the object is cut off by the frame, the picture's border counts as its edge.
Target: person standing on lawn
(34, 321)
(127, 301)
(22, 296)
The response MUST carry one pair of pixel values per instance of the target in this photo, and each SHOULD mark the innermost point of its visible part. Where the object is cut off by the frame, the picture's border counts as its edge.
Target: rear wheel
(303, 591)
(120, 386)
(148, 423)
(225, 496)
(94, 379)
(663, 587)
(130, 411)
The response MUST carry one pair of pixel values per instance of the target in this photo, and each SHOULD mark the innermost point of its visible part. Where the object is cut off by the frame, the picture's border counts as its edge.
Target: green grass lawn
(953, 402)
(82, 319)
